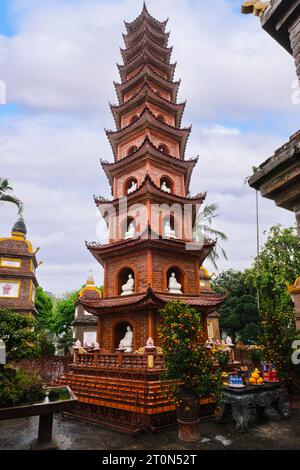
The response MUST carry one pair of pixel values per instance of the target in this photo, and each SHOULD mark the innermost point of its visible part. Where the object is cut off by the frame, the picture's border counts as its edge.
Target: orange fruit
(252, 381)
(255, 375)
(260, 381)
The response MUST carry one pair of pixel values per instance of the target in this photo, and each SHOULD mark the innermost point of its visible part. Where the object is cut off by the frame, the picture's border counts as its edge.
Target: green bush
(18, 387)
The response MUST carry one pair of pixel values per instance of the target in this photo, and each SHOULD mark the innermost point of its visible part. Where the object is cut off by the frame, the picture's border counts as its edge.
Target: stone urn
(188, 416)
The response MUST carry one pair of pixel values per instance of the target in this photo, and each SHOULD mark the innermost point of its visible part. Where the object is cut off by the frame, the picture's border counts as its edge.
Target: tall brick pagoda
(149, 258)
(150, 169)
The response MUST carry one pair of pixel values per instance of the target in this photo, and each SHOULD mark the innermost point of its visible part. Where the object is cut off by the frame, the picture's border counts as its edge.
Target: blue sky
(58, 60)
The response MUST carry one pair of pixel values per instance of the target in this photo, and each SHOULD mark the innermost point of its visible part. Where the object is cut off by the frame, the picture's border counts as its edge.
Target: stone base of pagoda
(126, 399)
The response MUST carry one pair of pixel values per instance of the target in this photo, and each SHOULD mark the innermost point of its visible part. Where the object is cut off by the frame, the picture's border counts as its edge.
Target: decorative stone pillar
(294, 290)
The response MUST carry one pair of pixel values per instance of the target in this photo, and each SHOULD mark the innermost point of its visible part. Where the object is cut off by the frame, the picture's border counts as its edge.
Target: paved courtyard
(271, 433)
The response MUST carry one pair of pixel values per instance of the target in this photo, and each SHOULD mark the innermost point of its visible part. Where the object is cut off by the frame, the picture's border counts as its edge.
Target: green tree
(279, 264)
(188, 362)
(240, 309)
(6, 196)
(44, 306)
(17, 332)
(63, 318)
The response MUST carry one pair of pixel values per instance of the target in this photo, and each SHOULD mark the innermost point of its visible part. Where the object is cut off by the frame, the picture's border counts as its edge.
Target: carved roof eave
(130, 53)
(206, 304)
(145, 16)
(145, 93)
(146, 29)
(143, 58)
(105, 252)
(148, 119)
(144, 75)
(148, 147)
(149, 187)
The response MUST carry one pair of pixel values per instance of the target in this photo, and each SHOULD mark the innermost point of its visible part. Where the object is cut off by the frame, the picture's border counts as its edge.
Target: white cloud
(218, 129)
(61, 64)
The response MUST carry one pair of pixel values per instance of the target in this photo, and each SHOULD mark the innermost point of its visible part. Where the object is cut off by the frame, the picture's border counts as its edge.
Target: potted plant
(189, 365)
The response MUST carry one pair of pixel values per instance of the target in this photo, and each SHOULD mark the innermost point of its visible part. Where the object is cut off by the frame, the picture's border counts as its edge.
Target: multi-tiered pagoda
(149, 258)
(150, 169)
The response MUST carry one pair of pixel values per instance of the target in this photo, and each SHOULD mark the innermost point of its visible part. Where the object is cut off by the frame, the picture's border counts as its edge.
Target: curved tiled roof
(145, 15)
(146, 92)
(208, 303)
(145, 56)
(145, 29)
(147, 73)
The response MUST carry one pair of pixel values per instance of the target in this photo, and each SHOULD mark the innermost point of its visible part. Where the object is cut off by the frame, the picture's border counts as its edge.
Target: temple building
(85, 325)
(17, 271)
(278, 178)
(150, 257)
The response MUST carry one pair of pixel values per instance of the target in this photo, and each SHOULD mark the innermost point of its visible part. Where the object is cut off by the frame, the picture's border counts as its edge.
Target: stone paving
(271, 433)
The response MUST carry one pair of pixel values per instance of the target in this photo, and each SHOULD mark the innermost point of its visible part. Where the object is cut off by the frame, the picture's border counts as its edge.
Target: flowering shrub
(189, 364)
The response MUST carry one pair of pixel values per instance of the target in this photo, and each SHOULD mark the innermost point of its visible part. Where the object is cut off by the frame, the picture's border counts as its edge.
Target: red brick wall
(137, 262)
(161, 264)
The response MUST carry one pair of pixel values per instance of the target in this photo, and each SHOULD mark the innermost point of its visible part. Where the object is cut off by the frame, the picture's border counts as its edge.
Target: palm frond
(13, 200)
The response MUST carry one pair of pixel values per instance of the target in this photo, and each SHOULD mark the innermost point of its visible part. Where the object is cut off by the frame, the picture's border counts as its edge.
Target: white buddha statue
(174, 286)
(168, 231)
(128, 288)
(132, 188)
(165, 188)
(228, 341)
(126, 344)
(131, 231)
(77, 344)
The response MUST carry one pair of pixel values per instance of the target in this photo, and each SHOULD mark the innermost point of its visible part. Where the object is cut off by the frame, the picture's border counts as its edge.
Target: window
(89, 337)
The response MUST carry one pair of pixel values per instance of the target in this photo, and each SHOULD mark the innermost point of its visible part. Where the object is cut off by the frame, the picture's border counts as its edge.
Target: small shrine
(17, 271)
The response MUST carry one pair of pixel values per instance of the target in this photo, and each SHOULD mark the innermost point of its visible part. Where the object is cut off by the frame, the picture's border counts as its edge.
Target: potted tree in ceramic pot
(189, 365)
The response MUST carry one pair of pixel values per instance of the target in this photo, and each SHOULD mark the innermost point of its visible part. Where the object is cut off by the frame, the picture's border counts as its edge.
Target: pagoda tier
(166, 88)
(147, 98)
(207, 302)
(157, 158)
(163, 54)
(147, 124)
(116, 250)
(149, 190)
(146, 30)
(143, 57)
(143, 18)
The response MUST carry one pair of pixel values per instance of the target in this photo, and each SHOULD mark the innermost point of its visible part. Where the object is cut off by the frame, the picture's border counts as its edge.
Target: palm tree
(5, 196)
(204, 226)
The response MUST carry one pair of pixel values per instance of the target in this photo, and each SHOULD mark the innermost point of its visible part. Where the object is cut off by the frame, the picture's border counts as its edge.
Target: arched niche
(168, 220)
(161, 117)
(119, 331)
(126, 228)
(131, 150)
(179, 274)
(168, 182)
(129, 185)
(122, 278)
(164, 148)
